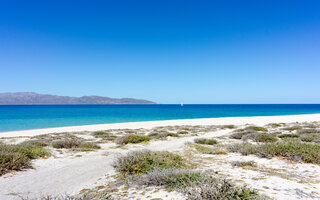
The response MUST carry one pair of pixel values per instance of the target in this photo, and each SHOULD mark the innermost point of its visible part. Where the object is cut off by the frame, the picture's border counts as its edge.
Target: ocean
(23, 117)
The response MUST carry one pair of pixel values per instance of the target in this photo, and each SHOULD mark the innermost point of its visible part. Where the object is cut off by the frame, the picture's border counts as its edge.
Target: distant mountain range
(31, 98)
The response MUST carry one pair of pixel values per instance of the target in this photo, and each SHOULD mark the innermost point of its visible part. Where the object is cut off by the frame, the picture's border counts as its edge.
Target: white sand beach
(67, 172)
(150, 124)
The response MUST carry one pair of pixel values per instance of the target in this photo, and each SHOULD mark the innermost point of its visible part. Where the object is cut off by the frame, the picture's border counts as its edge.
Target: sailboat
(181, 104)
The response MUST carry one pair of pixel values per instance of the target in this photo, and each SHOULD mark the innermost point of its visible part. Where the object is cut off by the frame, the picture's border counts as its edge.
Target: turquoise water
(21, 117)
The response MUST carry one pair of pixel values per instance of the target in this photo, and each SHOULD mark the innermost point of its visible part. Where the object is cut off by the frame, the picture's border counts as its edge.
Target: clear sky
(168, 51)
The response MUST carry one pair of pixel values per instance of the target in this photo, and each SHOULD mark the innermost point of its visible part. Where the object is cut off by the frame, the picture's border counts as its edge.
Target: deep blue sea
(21, 117)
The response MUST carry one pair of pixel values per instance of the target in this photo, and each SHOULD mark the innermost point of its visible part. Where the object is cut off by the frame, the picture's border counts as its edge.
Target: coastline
(258, 120)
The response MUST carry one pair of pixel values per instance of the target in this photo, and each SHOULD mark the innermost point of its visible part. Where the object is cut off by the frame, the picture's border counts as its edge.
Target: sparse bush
(35, 143)
(293, 128)
(74, 144)
(239, 135)
(67, 143)
(297, 151)
(308, 131)
(257, 128)
(139, 162)
(183, 132)
(228, 126)
(274, 125)
(89, 145)
(126, 139)
(203, 149)
(197, 185)
(309, 138)
(205, 141)
(260, 137)
(162, 135)
(244, 164)
(17, 157)
(289, 136)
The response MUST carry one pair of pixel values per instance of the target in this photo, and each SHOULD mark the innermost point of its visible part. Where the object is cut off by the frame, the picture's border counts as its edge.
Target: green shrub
(203, 149)
(264, 138)
(140, 162)
(67, 143)
(197, 185)
(239, 135)
(257, 128)
(183, 132)
(228, 126)
(293, 128)
(308, 131)
(309, 138)
(35, 143)
(244, 164)
(162, 135)
(74, 144)
(89, 145)
(17, 157)
(289, 136)
(132, 139)
(205, 141)
(274, 125)
(297, 151)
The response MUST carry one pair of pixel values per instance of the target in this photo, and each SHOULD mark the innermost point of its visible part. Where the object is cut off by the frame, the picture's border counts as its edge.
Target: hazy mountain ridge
(32, 98)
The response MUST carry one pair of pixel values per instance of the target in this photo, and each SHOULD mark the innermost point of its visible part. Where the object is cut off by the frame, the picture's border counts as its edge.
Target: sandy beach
(150, 124)
(70, 172)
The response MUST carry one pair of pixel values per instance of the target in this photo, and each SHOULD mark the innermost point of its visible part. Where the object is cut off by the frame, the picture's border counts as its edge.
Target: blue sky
(166, 51)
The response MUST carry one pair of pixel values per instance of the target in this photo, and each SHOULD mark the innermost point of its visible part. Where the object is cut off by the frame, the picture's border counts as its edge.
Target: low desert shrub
(162, 135)
(292, 128)
(139, 162)
(274, 125)
(35, 143)
(197, 185)
(228, 126)
(205, 141)
(289, 136)
(89, 145)
(183, 132)
(74, 144)
(310, 137)
(17, 157)
(126, 139)
(239, 135)
(104, 135)
(308, 131)
(67, 143)
(203, 149)
(244, 164)
(261, 137)
(296, 151)
(257, 128)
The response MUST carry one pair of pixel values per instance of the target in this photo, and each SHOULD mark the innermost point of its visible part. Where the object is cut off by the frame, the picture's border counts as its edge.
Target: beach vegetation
(260, 137)
(256, 128)
(289, 136)
(293, 128)
(206, 141)
(17, 157)
(140, 162)
(310, 137)
(162, 135)
(127, 139)
(244, 164)
(296, 151)
(68, 143)
(197, 185)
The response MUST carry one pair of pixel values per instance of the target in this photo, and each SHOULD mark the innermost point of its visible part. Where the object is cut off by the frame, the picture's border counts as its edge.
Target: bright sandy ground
(69, 173)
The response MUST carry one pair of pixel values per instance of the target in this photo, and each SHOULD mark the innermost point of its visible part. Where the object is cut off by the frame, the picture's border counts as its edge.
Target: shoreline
(258, 120)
